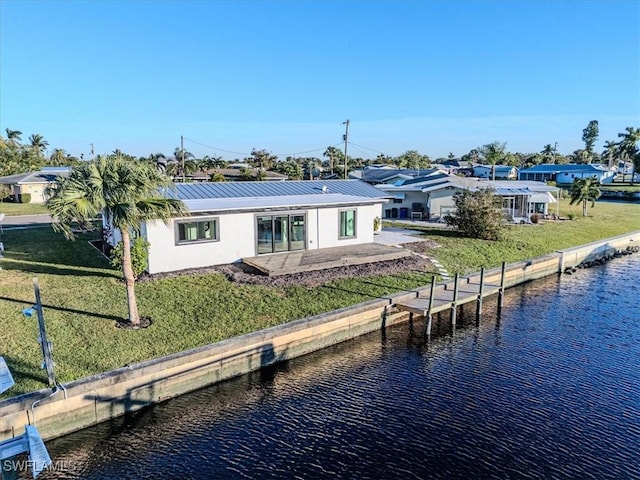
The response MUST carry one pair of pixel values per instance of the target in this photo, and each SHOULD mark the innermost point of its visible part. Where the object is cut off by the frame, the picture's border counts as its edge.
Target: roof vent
(325, 189)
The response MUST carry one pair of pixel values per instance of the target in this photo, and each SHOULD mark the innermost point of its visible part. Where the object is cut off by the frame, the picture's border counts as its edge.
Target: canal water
(549, 389)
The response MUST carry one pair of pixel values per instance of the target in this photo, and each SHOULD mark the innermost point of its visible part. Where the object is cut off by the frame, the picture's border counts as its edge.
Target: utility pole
(182, 155)
(346, 141)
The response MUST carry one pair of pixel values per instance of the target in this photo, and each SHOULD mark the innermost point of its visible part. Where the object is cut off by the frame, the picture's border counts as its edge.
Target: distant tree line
(19, 157)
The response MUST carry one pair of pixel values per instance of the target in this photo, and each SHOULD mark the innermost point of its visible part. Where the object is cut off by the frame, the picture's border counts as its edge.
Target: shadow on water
(135, 403)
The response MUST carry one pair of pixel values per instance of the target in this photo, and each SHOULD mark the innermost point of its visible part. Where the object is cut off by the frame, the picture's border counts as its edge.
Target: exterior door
(280, 233)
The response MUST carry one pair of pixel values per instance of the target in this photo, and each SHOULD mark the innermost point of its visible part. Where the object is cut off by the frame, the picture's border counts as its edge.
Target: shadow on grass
(21, 369)
(53, 269)
(64, 309)
(46, 247)
(341, 289)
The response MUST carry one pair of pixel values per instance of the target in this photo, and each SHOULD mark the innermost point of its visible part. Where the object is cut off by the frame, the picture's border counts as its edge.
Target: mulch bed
(244, 274)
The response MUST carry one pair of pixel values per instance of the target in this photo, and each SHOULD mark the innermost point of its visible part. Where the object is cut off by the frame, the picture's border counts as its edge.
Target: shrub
(377, 224)
(25, 198)
(535, 218)
(5, 192)
(139, 258)
(571, 216)
(478, 215)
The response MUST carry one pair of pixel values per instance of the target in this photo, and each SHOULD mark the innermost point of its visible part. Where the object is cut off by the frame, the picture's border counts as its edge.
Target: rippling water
(550, 390)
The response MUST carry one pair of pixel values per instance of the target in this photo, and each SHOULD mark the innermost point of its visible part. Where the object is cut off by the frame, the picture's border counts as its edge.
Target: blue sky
(434, 76)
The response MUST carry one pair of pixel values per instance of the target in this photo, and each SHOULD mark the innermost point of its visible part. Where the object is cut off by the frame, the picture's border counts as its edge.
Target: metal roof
(277, 202)
(46, 175)
(298, 188)
(570, 167)
(379, 175)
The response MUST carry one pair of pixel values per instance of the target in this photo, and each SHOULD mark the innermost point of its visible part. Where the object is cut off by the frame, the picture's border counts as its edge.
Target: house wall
(566, 177)
(327, 226)
(35, 189)
(237, 238)
(441, 201)
(409, 200)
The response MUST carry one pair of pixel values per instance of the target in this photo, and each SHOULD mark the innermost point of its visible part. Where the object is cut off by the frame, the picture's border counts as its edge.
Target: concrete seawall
(98, 398)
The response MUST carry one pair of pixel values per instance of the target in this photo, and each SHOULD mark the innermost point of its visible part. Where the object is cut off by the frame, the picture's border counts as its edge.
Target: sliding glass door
(280, 233)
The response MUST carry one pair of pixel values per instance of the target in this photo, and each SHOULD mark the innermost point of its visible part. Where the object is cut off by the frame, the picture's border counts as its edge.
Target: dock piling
(480, 296)
(454, 303)
(501, 291)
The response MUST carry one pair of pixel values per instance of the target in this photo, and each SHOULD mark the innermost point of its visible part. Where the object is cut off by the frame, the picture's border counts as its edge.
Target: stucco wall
(35, 189)
(237, 238)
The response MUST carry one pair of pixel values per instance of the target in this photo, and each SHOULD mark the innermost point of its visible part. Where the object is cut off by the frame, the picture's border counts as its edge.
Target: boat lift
(30, 442)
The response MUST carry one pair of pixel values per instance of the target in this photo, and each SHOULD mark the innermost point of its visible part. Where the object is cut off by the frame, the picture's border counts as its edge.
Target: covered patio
(321, 259)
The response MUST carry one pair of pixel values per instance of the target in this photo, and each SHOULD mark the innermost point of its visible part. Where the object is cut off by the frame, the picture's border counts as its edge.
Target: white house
(430, 198)
(502, 172)
(34, 184)
(232, 221)
(566, 174)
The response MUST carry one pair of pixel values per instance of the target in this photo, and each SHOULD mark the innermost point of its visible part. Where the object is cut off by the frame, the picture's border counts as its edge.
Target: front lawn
(11, 208)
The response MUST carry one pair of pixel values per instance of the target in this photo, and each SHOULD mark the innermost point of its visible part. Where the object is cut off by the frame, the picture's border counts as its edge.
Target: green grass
(11, 209)
(464, 255)
(621, 188)
(83, 297)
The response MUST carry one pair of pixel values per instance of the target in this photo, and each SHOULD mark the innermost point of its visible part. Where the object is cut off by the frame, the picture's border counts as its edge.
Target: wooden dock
(451, 295)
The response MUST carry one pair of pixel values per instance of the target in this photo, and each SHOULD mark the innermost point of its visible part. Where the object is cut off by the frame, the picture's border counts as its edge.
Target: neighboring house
(34, 183)
(236, 220)
(502, 172)
(431, 198)
(387, 175)
(566, 174)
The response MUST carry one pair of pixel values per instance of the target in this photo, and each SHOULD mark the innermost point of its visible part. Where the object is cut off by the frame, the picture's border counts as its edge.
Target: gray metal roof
(379, 175)
(46, 175)
(289, 202)
(300, 188)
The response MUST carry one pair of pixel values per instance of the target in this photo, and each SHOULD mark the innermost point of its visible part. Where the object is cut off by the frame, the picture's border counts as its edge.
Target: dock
(452, 294)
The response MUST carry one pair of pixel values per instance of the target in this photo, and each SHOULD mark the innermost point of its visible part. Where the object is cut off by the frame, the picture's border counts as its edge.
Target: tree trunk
(129, 278)
(584, 208)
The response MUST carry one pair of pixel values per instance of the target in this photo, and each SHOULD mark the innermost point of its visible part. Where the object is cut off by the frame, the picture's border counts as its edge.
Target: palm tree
(493, 153)
(610, 152)
(125, 193)
(58, 158)
(13, 136)
(38, 143)
(334, 154)
(548, 153)
(585, 190)
(628, 148)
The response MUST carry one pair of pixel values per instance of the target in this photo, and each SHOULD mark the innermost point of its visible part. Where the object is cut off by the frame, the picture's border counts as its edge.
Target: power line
(248, 154)
(216, 148)
(367, 148)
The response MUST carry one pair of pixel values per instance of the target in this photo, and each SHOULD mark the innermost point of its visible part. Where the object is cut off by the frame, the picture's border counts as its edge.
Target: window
(347, 224)
(197, 231)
